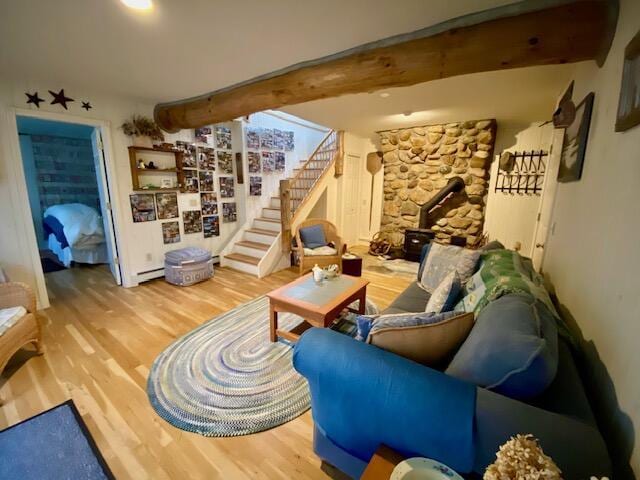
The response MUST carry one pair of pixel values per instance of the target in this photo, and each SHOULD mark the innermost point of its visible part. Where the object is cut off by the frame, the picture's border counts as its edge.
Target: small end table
(352, 266)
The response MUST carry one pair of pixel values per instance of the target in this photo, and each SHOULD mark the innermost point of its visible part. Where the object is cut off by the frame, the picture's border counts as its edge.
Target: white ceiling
(184, 48)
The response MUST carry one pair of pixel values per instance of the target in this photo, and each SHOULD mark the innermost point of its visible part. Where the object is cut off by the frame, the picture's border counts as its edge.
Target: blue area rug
(55, 445)
(226, 378)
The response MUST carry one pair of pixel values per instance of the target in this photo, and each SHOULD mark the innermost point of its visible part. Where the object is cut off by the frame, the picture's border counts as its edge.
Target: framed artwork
(253, 138)
(192, 220)
(206, 158)
(223, 138)
(191, 181)
(288, 142)
(629, 104)
(206, 181)
(229, 212)
(266, 138)
(225, 163)
(203, 134)
(268, 163)
(227, 189)
(253, 161)
(209, 203)
(143, 207)
(211, 226)
(278, 139)
(279, 161)
(170, 232)
(255, 186)
(189, 153)
(574, 145)
(167, 205)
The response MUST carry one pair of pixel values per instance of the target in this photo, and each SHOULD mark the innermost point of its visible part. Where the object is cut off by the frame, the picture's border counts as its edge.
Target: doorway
(68, 194)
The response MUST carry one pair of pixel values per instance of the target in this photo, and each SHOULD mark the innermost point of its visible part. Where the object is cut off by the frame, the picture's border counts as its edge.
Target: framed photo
(255, 186)
(574, 145)
(629, 104)
(268, 163)
(278, 139)
(266, 138)
(192, 220)
(203, 134)
(229, 214)
(279, 161)
(225, 163)
(170, 232)
(191, 181)
(167, 205)
(206, 158)
(206, 181)
(253, 138)
(189, 153)
(253, 161)
(211, 226)
(288, 142)
(143, 207)
(209, 204)
(223, 138)
(227, 189)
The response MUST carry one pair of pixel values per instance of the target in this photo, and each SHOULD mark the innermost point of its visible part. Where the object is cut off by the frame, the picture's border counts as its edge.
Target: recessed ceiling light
(138, 4)
(385, 94)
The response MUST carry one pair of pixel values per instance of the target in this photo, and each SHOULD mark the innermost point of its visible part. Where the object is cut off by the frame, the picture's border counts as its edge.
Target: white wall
(593, 258)
(511, 217)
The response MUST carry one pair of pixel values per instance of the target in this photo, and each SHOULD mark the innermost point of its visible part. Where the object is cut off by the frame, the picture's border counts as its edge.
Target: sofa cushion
(313, 236)
(10, 316)
(446, 295)
(444, 259)
(512, 349)
(427, 338)
(413, 299)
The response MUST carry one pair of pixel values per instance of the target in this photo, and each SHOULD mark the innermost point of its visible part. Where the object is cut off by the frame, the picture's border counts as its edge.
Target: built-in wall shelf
(169, 165)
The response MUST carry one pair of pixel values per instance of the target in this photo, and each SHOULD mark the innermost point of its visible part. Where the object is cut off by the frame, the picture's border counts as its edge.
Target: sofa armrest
(14, 294)
(363, 396)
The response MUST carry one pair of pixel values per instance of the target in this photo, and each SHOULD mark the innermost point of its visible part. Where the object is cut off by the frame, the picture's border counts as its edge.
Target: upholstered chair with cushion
(318, 242)
(18, 323)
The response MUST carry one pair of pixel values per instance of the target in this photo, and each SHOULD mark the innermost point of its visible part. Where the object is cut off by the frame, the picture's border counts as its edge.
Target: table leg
(362, 301)
(273, 323)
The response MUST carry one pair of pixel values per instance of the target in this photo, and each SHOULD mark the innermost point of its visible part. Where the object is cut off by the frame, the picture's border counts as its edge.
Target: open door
(105, 204)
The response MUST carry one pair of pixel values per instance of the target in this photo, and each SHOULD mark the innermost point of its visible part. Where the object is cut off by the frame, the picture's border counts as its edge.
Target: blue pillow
(512, 348)
(313, 236)
(371, 323)
(446, 295)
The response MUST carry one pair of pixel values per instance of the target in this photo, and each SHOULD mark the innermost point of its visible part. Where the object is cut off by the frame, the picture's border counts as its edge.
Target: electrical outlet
(149, 257)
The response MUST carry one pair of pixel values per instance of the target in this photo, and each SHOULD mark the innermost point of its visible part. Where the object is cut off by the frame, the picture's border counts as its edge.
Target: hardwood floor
(100, 341)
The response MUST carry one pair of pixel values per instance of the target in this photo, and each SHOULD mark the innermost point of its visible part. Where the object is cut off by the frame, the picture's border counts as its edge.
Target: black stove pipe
(455, 184)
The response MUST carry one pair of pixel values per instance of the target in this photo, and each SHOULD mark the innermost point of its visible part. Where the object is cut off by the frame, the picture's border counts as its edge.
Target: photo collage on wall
(229, 212)
(208, 164)
(266, 153)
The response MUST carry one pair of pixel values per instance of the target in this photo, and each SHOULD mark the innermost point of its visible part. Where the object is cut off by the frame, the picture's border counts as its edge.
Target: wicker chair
(331, 234)
(26, 330)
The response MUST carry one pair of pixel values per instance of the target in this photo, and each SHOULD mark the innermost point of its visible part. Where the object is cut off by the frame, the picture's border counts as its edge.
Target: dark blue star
(87, 106)
(35, 99)
(60, 98)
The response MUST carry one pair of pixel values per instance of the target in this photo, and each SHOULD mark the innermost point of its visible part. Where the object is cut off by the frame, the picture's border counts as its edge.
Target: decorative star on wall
(34, 98)
(87, 106)
(60, 98)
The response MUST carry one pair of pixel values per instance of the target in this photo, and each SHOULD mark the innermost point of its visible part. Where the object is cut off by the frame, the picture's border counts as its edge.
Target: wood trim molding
(541, 32)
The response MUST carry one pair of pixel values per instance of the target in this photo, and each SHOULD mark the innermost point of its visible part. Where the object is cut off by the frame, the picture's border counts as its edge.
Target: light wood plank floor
(100, 341)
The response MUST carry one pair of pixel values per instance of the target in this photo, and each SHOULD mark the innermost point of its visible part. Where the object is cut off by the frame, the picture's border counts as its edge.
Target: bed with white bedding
(75, 233)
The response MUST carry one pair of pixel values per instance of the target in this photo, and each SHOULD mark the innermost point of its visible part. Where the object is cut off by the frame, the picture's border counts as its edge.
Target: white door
(105, 204)
(545, 209)
(351, 198)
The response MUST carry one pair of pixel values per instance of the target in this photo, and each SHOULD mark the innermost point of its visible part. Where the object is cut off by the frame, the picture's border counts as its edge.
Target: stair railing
(295, 191)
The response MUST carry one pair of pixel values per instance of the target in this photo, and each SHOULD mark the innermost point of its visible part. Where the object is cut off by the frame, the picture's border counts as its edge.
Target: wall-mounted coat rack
(525, 174)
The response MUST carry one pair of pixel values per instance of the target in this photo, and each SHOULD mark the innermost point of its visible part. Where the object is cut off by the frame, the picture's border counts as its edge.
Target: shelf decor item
(629, 104)
(143, 131)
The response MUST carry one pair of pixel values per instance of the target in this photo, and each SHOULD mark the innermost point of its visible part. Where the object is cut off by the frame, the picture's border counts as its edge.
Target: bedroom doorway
(68, 191)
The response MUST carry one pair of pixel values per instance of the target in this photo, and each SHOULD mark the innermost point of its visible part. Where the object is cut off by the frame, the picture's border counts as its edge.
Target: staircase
(269, 238)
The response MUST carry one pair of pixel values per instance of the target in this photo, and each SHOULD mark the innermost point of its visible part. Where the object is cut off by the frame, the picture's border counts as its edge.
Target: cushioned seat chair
(18, 332)
(312, 226)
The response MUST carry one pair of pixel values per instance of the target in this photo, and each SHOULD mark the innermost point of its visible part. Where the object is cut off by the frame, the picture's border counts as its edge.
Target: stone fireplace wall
(419, 161)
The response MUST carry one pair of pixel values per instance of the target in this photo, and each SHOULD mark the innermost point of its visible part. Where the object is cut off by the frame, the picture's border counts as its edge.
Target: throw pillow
(426, 338)
(446, 295)
(423, 255)
(444, 259)
(313, 236)
(512, 349)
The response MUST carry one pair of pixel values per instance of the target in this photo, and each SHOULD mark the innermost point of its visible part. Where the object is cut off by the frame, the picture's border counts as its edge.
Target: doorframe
(20, 195)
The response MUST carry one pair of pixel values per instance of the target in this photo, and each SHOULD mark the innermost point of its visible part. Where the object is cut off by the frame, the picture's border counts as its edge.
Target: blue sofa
(363, 396)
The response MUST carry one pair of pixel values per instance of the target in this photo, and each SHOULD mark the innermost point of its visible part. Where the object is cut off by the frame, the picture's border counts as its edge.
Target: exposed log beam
(536, 32)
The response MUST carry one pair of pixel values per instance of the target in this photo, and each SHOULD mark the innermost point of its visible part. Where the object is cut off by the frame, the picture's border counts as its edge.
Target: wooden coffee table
(319, 304)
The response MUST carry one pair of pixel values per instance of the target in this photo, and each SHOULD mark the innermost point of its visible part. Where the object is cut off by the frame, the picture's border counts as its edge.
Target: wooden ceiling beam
(538, 32)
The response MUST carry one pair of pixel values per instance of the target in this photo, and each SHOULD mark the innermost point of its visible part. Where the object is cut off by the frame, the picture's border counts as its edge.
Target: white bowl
(420, 468)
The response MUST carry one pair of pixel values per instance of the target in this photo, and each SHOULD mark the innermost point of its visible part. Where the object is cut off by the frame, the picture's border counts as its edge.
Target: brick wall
(65, 171)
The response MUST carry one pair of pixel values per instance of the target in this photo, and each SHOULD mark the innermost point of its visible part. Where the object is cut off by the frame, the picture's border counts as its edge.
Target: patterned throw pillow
(445, 296)
(444, 259)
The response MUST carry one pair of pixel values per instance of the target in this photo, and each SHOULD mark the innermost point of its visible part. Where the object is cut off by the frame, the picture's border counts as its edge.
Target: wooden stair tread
(262, 231)
(256, 245)
(265, 219)
(239, 257)
(272, 208)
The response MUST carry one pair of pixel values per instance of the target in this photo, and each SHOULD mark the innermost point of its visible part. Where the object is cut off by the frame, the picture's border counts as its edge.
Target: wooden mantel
(532, 32)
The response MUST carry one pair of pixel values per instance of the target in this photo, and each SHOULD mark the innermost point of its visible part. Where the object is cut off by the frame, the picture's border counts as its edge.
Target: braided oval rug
(225, 378)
